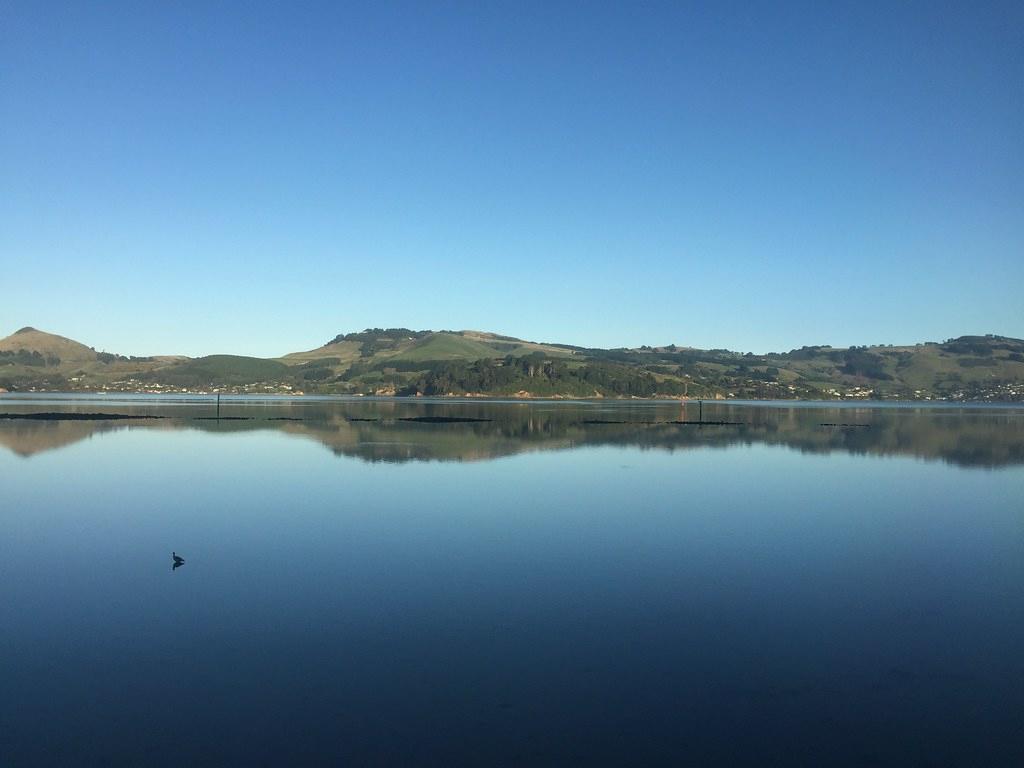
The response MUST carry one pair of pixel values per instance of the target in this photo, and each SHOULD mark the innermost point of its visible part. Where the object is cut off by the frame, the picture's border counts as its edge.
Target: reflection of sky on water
(373, 429)
(728, 605)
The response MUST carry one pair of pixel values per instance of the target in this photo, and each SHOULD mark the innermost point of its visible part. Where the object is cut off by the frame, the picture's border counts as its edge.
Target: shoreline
(201, 397)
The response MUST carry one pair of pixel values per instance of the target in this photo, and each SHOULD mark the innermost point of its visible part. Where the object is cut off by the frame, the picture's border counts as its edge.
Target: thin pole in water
(218, 405)
(700, 411)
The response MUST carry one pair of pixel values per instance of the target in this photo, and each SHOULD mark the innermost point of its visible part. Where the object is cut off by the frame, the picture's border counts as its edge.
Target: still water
(558, 583)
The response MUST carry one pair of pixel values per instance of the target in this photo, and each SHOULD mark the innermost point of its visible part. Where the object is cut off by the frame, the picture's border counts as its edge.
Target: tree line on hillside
(537, 374)
(31, 358)
(375, 334)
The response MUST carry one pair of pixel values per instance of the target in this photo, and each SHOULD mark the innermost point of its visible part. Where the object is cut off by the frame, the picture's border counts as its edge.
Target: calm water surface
(562, 583)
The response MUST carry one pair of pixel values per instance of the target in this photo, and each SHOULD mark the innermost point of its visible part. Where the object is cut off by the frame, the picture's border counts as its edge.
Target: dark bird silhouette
(178, 560)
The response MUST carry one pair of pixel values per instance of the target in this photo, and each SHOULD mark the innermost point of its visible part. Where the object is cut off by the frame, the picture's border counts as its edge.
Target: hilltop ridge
(47, 345)
(402, 361)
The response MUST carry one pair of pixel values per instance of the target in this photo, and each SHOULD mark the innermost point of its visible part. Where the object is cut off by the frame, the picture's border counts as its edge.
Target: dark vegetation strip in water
(443, 419)
(711, 423)
(828, 424)
(699, 423)
(52, 416)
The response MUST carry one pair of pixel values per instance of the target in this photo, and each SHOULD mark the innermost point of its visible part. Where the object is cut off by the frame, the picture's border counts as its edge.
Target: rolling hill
(405, 344)
(52, 348)
(400, 361)
(218, 371)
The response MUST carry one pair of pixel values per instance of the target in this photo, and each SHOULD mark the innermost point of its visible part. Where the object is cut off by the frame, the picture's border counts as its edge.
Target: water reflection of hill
(27, 438)
(373, 431)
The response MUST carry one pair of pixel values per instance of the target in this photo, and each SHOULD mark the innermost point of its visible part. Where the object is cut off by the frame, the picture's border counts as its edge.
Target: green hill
(400, 361)
(30, 358)
(446, 346)
(55, 350)
(220, 370)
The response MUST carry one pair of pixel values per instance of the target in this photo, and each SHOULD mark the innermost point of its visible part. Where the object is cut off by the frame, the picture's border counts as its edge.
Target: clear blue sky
(257, 177)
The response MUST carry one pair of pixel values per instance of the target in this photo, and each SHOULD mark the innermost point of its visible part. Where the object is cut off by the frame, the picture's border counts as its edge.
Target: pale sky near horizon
(257, 177)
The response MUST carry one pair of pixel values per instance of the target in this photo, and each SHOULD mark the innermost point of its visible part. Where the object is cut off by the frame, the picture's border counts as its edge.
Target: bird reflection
(178, 561)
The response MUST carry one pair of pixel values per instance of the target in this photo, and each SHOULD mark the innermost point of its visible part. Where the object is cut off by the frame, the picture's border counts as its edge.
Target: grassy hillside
(446, 346)
(52, 348)
(347, 351)
(220, 370)
(959, 367)
(403, 361)
(30, 358)
(376, 344)
(386, 360)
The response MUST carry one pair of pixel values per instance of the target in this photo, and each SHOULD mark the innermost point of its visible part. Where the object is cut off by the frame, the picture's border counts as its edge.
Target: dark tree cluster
(539, 375)
(31, 358)
(806, 353)
(968, 346)
(857, 361)
(376, 334)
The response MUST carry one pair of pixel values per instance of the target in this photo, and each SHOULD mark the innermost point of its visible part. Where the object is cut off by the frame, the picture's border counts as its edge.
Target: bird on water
(178, 559)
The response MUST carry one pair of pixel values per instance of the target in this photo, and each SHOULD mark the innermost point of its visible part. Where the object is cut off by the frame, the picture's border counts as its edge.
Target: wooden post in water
(700, 411)
(218, 406)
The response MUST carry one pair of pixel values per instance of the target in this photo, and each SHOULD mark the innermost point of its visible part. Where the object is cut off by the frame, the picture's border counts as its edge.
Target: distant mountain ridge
(402, 361)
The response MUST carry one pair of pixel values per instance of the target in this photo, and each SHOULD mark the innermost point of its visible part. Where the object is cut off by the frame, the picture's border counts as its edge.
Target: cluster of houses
(155, 388)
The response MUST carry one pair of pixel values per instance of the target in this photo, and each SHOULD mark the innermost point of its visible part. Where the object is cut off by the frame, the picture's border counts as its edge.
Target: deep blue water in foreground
(538, 589)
